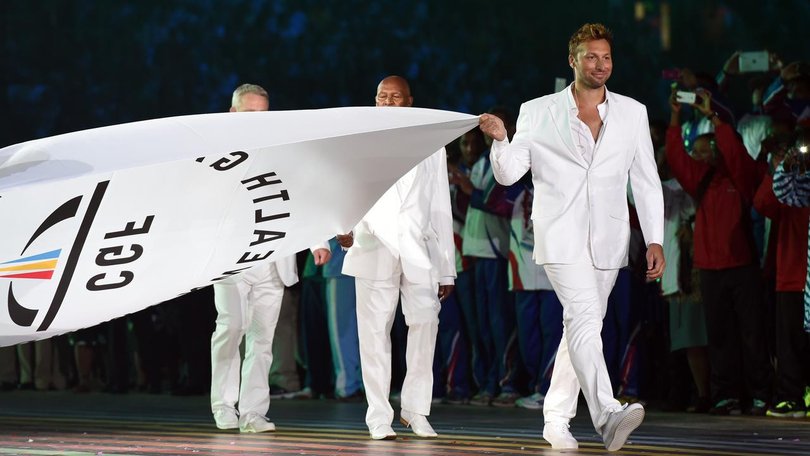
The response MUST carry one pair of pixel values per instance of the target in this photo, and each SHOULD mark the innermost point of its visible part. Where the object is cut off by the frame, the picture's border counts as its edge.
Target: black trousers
(735, 322)
(313, 342)
(792, 347)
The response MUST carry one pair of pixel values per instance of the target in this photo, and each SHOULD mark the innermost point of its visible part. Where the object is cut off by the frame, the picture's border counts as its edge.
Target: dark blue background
(75, 64)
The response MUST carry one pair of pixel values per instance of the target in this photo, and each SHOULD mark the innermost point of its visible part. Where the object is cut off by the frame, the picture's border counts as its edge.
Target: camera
(682, 96)
(797, 157)
(753, 62)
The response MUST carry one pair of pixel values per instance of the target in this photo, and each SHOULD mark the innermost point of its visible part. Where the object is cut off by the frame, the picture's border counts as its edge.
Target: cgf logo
(42, 266)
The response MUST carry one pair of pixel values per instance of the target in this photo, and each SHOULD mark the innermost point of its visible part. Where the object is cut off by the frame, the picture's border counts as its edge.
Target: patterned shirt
(793, 188)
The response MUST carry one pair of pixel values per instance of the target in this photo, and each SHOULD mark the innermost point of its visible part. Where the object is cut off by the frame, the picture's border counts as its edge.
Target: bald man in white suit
(582, 146)
(402, 247)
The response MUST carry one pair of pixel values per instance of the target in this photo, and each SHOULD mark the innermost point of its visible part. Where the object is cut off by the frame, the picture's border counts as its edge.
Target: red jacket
(723, 236)
(791, 241)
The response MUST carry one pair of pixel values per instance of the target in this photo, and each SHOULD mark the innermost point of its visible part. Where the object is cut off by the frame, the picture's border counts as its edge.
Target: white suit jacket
(579, 206)
(415, 229)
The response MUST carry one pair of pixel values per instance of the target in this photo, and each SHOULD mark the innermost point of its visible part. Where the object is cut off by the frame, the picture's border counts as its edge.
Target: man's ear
(233, 109)
(571, 60)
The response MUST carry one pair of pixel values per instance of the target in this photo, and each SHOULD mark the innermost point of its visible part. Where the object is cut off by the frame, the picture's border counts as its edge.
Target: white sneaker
(533, 402)
(560, 438)
(620, 424)
(418, 424)
(383, 432)
(226, 419)
(255, 423)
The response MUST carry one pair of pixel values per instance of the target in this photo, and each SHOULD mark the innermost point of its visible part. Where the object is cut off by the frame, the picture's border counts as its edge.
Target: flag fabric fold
(104, 222)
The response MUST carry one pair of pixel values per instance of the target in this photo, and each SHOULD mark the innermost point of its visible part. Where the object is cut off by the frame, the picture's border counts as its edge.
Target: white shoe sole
(623, 430)
(226, 427)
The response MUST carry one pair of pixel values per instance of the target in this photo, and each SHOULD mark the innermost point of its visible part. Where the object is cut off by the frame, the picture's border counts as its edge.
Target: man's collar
(572, 103)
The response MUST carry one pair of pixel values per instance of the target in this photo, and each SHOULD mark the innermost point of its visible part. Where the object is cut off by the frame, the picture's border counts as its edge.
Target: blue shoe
(726, 407)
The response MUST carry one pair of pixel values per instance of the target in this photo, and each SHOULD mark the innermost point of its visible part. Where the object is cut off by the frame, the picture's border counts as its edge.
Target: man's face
(393, 93)
(703, 151)
(251, 102)
(799, 89)
(471, 148)
(593, 63)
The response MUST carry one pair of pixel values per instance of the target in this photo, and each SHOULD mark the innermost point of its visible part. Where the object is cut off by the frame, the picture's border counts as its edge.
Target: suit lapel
(562, 121)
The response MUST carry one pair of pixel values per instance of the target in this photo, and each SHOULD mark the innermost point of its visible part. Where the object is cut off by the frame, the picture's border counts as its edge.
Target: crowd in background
(723, 332)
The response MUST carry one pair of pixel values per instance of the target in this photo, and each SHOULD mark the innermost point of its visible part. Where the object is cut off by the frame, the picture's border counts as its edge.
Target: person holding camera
(792, 344)
(722, 178)
(791, 185)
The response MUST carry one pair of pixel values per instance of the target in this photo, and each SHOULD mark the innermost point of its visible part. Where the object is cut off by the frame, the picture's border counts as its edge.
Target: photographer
(791, 184)
(722, 178)
(792, 348)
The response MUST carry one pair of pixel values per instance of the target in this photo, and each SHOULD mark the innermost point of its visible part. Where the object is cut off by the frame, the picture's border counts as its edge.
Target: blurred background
(76, 64)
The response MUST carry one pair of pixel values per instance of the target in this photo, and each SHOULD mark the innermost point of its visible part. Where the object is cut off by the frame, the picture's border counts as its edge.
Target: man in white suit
(581, 145)
(402, 247)
(248, 305)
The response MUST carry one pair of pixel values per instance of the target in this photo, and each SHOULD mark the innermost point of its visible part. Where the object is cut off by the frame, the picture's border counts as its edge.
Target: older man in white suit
(248, 306)
(402, 247)
(582, 145)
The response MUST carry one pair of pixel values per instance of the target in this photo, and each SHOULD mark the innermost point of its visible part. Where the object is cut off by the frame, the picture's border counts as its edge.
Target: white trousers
(583, 291)
(376, 307)
(248, 306)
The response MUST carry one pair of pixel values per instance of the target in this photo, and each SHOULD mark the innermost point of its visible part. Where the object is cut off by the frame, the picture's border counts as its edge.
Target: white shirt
(580, 132)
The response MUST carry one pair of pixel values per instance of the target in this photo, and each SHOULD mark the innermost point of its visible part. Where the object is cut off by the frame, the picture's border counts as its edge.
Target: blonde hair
(247, 88)
(589, 32)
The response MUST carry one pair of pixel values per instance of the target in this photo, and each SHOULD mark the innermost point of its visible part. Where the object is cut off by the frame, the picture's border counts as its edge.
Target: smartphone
(671, 74)
(682, 96)
(753, 62)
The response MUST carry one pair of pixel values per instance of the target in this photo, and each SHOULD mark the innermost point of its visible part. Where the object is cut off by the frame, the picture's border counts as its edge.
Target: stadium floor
(60, 423)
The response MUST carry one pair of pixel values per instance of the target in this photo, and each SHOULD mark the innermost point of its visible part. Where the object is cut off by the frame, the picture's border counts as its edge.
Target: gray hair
(247, 88)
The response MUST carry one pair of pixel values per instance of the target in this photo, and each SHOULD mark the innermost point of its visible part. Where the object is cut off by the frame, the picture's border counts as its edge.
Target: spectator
(722, 178)
(8, 368)
(792, 347)
(538, 311)
(486, 239)
(458, 346)
(680, 286)
(341, 314)
(792, 187)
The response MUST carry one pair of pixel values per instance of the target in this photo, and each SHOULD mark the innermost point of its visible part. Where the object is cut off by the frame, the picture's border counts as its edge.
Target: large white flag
(100, 223)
